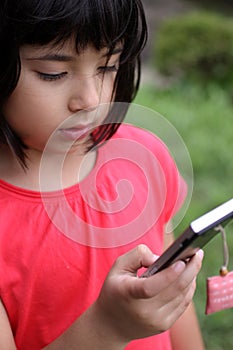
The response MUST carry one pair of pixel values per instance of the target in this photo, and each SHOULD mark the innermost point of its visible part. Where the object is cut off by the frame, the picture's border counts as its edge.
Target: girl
(68, 255)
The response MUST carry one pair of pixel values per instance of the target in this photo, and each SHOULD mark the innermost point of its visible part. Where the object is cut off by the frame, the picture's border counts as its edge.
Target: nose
(85, 94)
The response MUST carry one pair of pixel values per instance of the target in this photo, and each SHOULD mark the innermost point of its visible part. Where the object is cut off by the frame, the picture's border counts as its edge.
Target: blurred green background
(187, 77)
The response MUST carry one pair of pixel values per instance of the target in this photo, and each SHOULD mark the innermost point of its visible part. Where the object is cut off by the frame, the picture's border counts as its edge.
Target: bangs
(104, 24)
(101, 23)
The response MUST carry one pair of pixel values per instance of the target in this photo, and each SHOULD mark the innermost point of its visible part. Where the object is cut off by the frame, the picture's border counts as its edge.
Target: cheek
(29, 125)
(18, 112)
(25, 111)
(14, 111)
(107, 88)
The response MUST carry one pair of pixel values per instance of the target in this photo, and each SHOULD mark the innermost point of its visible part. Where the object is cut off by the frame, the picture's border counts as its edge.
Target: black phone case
(196, 236)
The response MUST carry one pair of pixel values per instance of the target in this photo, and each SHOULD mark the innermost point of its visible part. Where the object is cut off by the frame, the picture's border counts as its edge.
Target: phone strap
(220, 288)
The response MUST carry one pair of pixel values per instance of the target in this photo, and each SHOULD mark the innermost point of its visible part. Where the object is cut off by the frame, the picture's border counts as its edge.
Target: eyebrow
(115, 51)
(52, 57)
(66, 58)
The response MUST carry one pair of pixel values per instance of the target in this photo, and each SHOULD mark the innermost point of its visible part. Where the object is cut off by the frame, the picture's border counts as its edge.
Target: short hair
(102, 23)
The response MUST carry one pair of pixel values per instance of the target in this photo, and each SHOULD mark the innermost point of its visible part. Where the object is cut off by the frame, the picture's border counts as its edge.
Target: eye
(106, 69)
(51, 77)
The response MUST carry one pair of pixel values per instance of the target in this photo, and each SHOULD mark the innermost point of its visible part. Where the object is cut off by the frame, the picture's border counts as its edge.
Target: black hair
(103, 23)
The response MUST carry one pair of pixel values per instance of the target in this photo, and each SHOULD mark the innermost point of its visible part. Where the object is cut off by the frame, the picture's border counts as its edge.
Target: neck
(45, 173)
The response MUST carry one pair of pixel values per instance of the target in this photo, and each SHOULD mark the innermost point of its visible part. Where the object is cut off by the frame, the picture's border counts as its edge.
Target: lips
(77, 132)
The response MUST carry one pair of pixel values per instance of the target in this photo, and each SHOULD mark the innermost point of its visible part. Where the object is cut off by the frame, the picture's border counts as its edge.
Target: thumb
(141, 256)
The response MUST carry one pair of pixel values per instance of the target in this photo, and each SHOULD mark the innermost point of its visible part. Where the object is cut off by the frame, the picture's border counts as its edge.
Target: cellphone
(196, 236)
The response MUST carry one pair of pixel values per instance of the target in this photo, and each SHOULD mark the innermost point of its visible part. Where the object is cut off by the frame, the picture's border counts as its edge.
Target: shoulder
(138, 134)
(151, 150)
(149, 141)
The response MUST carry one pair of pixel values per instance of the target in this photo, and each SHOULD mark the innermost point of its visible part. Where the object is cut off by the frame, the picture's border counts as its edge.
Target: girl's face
(55, 84)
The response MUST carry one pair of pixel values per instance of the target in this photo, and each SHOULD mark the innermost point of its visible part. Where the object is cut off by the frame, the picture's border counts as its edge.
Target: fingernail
(200, 253)
(155, 257)
(179, 266)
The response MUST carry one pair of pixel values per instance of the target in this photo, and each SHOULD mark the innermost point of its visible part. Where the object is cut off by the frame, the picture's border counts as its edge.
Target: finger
(185, 281)
(173, 279)
(177, 305)
(149, 287)
(175, 293)
(141, 256)
(186, 278)
(191, 271)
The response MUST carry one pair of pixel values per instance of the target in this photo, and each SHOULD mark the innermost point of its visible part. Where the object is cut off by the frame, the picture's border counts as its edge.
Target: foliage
(197, 46)
(204, 121)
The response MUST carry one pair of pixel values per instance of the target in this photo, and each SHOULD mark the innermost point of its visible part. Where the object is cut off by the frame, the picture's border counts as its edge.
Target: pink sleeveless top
(57, 248)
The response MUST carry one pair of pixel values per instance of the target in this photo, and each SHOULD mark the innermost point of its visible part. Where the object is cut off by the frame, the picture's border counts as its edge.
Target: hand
(133, 307)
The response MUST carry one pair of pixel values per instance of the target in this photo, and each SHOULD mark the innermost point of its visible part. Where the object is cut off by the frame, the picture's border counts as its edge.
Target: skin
(128, 307)
(57, 89)
(64, 84)
(190, 339)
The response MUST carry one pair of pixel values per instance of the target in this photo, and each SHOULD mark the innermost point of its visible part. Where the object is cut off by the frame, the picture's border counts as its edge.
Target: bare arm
(185, 333)
(88, 332)
(128, 307)
(6, 336)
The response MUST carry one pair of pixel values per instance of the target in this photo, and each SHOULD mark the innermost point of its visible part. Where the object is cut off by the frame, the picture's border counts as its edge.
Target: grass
(204, 121)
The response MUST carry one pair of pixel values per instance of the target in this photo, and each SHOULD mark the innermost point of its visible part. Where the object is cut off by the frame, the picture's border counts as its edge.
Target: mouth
(77, 132)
